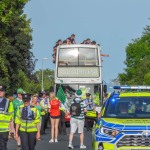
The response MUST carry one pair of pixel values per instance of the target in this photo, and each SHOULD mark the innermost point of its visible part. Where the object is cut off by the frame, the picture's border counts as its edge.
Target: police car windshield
(128, 107)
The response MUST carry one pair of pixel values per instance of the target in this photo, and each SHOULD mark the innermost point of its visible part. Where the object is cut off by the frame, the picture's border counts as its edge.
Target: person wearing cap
(45, 116)
(72, 39)
(6, 116)
(17, 103)
(90, 107)
(27, 124)
(77, 121)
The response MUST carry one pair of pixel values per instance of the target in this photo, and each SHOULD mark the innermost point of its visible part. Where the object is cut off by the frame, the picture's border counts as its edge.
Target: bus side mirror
(105, 88)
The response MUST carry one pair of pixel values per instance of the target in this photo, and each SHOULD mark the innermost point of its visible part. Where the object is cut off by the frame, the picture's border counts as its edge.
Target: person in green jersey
(17, 103)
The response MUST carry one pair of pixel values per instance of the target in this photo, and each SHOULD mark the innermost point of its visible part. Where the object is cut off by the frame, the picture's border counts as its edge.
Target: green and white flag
(61, 95)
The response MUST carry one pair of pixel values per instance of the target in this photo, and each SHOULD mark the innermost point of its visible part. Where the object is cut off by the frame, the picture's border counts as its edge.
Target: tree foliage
(137, 61)
(15, 43)
(48, 79)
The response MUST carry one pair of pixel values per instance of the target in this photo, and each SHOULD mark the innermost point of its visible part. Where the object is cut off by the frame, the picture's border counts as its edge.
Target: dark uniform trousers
(28, 140)
(3, 140)
(43, 124)
(62, 125)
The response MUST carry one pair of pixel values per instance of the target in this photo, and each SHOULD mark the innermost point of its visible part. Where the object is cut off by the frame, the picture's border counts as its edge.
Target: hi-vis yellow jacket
(6, 115)
(44, 107)
(27, 125)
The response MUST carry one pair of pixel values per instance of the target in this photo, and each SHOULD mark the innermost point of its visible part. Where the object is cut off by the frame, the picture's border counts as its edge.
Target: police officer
(6, 115)
(27, 124)
(90, 107)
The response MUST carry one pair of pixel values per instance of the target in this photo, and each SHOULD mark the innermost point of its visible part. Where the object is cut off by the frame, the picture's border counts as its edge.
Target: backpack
(75, 108)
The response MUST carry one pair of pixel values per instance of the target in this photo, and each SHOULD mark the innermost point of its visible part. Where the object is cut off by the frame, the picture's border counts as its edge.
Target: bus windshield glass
(128, 107)
(81, 56)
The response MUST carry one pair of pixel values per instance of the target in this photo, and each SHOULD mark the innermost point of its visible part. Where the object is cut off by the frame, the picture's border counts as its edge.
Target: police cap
(26, 97)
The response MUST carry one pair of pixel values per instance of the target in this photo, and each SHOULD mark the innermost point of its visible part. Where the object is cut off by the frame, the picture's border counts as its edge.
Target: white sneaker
(70, 146)
(51, 141)
(56, 140)
(82, 147)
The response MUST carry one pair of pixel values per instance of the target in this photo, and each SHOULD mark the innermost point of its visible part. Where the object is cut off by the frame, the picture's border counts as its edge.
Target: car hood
(126, 124)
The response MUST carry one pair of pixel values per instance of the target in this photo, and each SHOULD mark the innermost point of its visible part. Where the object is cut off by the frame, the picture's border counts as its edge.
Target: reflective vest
(62, 108)
(83, 93)
(91, 114)
(44, 107)
(27, 123)
(96, 99)
(6, 114)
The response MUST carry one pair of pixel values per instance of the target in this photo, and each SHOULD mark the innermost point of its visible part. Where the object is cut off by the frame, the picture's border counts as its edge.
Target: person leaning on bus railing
(64, 42)
(87, 41)
(68, 41)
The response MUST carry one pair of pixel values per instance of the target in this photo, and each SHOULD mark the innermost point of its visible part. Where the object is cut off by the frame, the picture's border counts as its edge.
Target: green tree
(15, 43)
(137, 61)
(48, 78)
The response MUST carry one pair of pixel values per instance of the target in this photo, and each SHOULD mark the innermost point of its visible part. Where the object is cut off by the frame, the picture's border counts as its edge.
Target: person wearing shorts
(77, 122)
(54, 111)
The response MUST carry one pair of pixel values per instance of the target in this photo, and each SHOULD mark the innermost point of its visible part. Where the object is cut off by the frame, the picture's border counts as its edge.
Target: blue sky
(112, 23)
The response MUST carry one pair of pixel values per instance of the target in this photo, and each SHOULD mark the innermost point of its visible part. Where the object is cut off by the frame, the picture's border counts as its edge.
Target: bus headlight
(110, 132)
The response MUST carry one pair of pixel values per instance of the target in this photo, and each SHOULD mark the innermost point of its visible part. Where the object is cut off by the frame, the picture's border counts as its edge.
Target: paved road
(62, 142)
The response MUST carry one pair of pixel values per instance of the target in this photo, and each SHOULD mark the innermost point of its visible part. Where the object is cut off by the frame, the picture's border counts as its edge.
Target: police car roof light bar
(124, 87)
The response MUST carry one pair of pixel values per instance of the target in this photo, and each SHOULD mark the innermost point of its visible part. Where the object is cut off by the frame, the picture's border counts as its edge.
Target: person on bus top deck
(72, 39)
(64, 42)
(93, 43)
(59, 42)
(83, 42)
(68, 41)
(55, 49)
(88, 41)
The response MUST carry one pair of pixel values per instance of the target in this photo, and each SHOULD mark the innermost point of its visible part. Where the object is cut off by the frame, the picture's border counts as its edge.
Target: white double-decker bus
(79, 66)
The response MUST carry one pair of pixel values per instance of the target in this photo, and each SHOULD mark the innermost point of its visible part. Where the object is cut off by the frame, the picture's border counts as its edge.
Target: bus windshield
(128, 107)
(78, 56)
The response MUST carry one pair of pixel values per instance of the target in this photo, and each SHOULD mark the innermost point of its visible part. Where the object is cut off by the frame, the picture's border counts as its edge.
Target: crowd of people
(25, 117)
(71, 40)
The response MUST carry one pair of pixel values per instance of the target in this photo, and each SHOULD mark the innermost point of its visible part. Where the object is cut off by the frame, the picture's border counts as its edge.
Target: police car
(125, 120)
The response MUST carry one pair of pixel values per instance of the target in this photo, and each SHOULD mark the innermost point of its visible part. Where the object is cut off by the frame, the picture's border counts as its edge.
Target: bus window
(88, 56)
(68, 56)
